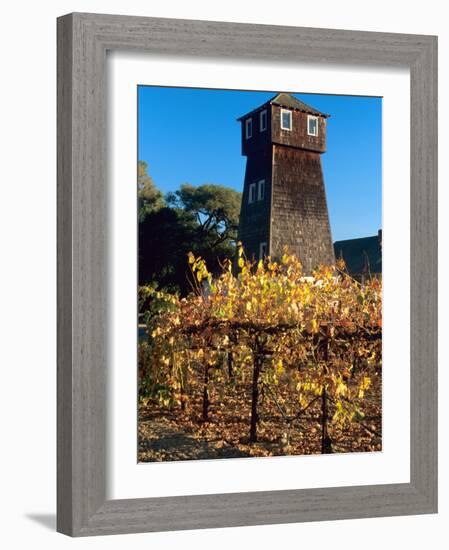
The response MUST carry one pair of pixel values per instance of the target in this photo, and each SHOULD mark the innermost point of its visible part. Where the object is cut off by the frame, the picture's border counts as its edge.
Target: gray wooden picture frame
(83, 40)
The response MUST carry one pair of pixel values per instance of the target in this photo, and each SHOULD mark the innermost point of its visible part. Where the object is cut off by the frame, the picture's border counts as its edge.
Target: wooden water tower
(284, 200)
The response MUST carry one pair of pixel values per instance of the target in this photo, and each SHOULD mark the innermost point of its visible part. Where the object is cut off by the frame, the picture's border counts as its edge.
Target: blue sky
(189, 135)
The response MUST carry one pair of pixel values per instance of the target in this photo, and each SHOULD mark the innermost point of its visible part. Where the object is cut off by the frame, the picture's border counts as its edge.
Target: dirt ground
(171, 435)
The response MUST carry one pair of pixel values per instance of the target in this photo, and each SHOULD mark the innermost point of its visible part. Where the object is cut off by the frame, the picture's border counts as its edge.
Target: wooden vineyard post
(230, 358)
(326, 442)
(255, 394)
(206, 393)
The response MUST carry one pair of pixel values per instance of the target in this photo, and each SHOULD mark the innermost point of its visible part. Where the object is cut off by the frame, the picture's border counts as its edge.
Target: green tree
(215, 208)
(150, 197)
(165, 238)
(202, 220)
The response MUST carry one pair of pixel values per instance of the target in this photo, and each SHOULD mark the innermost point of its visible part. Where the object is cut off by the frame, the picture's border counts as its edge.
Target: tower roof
(290, 102)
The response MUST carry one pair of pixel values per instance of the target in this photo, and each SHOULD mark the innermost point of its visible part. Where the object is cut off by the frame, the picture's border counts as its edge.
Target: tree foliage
(150, 197)
(215, 208)
(201, 219)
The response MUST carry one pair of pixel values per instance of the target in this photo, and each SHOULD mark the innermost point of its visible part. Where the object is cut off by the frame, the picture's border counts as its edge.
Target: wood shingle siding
(293, 211)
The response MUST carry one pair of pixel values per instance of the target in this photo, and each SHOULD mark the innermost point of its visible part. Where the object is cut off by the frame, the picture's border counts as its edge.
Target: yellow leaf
(279, 367)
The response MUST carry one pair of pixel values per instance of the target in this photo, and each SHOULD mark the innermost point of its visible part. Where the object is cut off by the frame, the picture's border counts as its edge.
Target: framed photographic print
(246, 274)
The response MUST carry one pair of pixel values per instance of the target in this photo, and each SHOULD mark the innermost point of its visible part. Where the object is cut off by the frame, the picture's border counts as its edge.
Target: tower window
(312, 125)
(249, 128)
(286, 119)
(263, 120)
(252, 193)
(262, 250)
(261, 190)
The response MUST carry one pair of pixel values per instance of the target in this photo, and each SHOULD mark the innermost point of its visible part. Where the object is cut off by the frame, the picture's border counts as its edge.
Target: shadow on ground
(46, 520)
(159, 441)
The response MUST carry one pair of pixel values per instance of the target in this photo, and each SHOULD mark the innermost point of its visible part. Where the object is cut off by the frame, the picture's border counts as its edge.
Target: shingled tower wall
(284, 200)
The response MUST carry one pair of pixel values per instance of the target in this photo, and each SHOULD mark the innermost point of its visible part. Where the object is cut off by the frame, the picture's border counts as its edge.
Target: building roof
(361, 255)
(290, 102)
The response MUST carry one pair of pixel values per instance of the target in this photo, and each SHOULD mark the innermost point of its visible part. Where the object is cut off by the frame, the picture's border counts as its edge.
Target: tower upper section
(284, 120)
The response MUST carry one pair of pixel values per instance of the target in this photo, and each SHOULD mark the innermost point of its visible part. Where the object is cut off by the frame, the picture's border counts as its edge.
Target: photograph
(259, 222)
